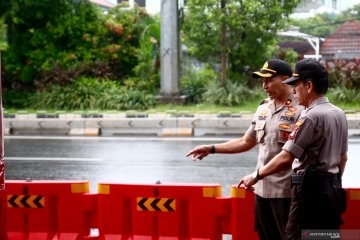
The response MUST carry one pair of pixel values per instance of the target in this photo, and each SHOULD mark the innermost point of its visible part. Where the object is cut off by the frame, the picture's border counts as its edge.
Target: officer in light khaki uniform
(273, 122)
(271, 127)
(317, 149)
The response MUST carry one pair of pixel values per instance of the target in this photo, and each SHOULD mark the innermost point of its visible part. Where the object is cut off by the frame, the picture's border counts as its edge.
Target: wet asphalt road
(123, 160)
(134, 160)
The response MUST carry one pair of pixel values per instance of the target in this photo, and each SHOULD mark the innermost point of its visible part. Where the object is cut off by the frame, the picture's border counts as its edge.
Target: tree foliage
(3, 39)
(251, 26)
(61, 40)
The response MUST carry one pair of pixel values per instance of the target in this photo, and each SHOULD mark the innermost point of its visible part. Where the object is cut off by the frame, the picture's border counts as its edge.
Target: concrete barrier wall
(153, 124)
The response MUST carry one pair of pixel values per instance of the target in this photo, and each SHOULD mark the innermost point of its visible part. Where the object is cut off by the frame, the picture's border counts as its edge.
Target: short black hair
(321, 84)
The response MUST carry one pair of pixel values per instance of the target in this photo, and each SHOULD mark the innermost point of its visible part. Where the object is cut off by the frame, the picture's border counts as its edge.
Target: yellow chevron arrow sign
(156, 204)
(25, 201)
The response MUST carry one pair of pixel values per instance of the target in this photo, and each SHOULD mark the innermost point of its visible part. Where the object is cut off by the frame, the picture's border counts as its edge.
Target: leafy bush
(344, 95)
(286, 54)
(194, 84)
(344, 73)
(230, 94)
(16, 99)
(90, 93)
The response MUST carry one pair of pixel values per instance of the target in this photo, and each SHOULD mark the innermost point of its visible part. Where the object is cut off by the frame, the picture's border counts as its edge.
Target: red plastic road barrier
(161, 211)
(2, 214)
(351, 227)
(243, 215)
(49, 210)
(242, 209)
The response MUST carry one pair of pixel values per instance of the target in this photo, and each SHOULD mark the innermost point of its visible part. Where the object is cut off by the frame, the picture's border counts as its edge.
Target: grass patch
(202, 107)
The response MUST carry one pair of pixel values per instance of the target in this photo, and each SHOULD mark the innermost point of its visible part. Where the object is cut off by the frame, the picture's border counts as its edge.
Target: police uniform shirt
(320, 136)
(271, 129)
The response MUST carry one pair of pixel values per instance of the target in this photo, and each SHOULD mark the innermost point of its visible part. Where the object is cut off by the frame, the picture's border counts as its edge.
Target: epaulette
(265, 101)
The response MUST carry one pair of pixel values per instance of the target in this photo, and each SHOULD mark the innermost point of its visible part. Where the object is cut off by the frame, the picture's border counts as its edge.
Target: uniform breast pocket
(260, 131)
(283, 135)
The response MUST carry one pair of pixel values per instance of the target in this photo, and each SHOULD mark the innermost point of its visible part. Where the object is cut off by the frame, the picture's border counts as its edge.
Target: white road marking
(52, 159)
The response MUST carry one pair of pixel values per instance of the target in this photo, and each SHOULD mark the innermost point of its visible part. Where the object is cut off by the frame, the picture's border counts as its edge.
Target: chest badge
(284, 135)
(284, 126)
(292, 109)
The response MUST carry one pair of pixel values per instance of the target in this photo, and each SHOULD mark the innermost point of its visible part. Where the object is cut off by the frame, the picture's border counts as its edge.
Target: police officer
(317, 150)
(273, 122)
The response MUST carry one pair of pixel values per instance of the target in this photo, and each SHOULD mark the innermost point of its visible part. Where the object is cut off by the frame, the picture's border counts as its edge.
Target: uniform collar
(318, 101)
(289, 101)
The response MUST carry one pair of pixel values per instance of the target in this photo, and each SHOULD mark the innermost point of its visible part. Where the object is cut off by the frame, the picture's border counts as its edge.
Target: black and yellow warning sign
(156, 204)
(26, 201)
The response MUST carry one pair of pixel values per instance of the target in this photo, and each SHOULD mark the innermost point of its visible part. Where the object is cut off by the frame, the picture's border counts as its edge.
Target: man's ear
(309, 86)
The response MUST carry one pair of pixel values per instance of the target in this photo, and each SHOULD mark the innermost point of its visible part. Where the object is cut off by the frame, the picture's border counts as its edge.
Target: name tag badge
(287, 118)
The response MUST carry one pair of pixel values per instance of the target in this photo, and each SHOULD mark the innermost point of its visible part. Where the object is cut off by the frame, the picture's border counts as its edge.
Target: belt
(297, 179)
(319, 178)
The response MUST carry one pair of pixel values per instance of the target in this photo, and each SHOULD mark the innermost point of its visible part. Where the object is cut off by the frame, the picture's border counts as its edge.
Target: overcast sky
(153, 6)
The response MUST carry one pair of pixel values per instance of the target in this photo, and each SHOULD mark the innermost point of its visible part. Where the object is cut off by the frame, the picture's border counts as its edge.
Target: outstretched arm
(239, 145)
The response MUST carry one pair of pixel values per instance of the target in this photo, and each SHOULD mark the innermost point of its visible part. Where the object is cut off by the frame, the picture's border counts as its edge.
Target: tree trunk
(223, 45)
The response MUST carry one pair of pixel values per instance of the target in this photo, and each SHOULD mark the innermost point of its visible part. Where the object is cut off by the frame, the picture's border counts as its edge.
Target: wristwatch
(256, 175)
(212, 149)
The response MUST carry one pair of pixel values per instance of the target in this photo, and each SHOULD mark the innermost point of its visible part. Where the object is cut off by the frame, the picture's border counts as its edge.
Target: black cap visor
(291, 81)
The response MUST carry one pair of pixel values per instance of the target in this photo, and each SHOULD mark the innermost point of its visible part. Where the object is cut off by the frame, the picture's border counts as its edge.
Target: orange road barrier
(161, 211)
(351, 227)
(242, 214)
(65, 210)
(49, 210)
(2, 213)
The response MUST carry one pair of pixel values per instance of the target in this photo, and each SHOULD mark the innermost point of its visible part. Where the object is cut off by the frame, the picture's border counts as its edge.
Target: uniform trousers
(314, 206)
(271, 216)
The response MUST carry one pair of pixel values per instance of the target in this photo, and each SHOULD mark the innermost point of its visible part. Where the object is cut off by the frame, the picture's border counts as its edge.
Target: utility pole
(169, 52)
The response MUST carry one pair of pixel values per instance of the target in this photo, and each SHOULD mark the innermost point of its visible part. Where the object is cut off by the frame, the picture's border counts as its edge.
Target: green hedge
(90, 93)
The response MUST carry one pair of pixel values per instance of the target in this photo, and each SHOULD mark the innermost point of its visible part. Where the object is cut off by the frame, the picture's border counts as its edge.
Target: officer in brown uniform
(317, 150)
(273, 121)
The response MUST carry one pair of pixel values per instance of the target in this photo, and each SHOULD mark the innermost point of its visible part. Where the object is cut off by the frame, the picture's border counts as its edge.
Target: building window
(334, 4)
(141, 3)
